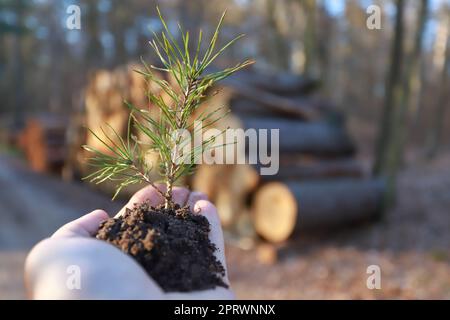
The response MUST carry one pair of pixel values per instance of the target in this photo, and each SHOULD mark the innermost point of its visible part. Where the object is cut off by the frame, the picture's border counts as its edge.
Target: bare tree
(94, 49)
(17, 63)
(393, 91)
(435, 132)
(310, 37)
(277, 47)
(410, 76)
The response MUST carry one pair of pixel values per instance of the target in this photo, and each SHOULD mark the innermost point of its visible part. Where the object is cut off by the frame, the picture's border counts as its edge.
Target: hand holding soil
(106, 272)
(173, 236)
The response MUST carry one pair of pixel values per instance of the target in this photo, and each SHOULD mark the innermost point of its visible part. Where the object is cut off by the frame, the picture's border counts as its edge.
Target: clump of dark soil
(172, 245)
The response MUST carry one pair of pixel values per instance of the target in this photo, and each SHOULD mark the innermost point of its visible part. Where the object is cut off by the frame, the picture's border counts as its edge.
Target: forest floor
(410, 245)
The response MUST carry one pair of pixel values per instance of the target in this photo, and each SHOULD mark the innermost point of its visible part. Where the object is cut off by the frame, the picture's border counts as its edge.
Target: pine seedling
(125, 164)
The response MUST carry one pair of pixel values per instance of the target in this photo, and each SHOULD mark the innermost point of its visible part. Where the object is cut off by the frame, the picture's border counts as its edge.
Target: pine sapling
(125, 164)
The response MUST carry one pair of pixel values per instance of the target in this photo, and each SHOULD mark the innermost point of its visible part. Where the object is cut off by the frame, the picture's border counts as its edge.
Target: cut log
(281, 105)
(318, 138)
(206, 180)
(227, 186)
(274, 211)
(233, 190)
(316, 170)
(43, 142)
(267, 253)
(280, 83)
(280, 209)
(248, 106)
(104, 102)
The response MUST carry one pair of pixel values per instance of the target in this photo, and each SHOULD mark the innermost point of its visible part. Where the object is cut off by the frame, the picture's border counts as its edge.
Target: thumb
(209, 211)
(86, 226)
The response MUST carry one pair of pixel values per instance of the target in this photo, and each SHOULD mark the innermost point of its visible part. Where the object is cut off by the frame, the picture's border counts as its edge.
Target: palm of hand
(105, 271)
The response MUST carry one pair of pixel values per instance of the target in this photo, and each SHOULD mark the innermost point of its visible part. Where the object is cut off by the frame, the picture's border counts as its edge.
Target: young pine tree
(125, 164)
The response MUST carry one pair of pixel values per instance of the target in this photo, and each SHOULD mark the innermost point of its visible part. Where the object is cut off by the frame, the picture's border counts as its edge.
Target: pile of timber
(43, 141)
(105, 113)
(320, 184)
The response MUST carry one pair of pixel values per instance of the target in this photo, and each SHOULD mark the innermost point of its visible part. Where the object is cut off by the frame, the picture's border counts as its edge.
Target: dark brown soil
(171, 245)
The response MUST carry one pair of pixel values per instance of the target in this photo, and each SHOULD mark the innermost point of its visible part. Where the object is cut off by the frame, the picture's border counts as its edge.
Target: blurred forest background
(390, 84)
(324, 39)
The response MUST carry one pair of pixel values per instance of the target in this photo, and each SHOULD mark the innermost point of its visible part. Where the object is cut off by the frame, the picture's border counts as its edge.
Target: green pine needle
(125, 162)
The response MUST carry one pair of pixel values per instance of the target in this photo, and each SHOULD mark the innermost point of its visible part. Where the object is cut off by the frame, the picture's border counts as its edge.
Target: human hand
(105, 271)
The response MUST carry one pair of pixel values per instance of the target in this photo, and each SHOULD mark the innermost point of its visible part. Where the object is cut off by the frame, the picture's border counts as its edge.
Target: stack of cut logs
(43, 142)
(319, 183)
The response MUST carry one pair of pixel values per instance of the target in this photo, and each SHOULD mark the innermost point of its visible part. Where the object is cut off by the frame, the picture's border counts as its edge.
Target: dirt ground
(410, 245)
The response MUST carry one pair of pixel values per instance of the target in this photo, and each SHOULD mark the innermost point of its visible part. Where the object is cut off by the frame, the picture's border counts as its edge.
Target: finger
(209, 211)
(194, 197)
(86, 226)
(155, 198)
(180, 195)
(148, 193)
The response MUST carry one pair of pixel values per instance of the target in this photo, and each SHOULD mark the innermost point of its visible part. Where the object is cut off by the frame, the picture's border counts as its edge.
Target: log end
(274, 212)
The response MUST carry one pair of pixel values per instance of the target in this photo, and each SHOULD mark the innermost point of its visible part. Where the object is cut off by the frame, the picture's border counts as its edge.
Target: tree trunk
(280, 83)
(393, 91)
(281, 208)
(277, 46)
(317, 138)
(275, 103)
(435, 134)
(17, 63)
(410, 77)
(94, 50)
(316, 170)
(310, 41)
(43, 142)
(227, 186)
(392, 124)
